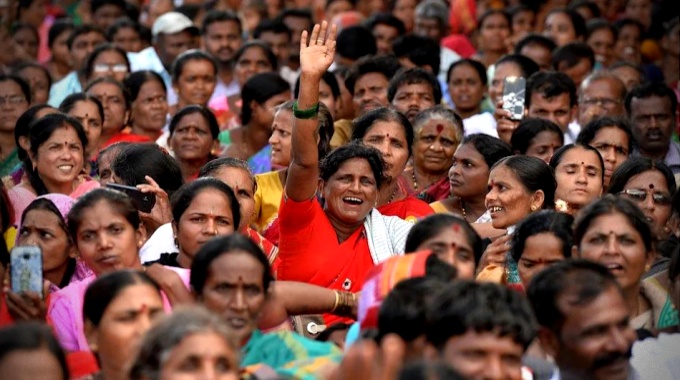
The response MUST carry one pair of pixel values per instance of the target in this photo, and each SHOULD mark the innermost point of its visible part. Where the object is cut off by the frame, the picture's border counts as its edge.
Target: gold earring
(534, 208)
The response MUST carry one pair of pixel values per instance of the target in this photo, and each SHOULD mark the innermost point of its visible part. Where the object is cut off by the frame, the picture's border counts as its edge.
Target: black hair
(381, 64)
(590, 130)
(480, 307)
(327, 78)
(550, 84)
(329, 2)
(476, 65)
(516, 9)
(537, 40)
(271, 26)
(353, 150)
(215, 15)
(610, 204)
(96, 4)
(525, 64)
(104, 290)
(582, 280)
(136, 161)
(325, 128)
(403, 311)
(47, 205)
(208, 116)
(577, 21)
(534, 174)
(40, 131)
(22, 128)
(34, 65)
(109, 80)
(492, 12)
(569, 55)
(592, 7)
(385, 19)
(189, 10)
(134, 82)
(528, 129)
(363, 124)
(638, 165)
(414, 75)
(491, 148)
(260, 88)
(122, 23)
(268, 52)
(70, 102)
(18, 26)
(597, 24)
(6, 216)
(557, 223)
(117, 200)
(23, 85)
(559, 154)
(80, 30)
(428, 370)
(113, 148)
(223, 245)
(89, 64)
(434, 224)
(188, 56)
(356, 41)
(674, 266)
(32, 336)
(297, 12)
(419, 50)
(649, 90)
(186, 194)
(59, 27)
(640, 71)
(624, 22)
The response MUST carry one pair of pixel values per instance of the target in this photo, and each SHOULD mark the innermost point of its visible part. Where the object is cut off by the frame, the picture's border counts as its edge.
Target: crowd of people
(340, 189)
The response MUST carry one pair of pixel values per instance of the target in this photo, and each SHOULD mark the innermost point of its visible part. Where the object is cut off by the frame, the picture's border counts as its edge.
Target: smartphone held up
(26, 270)
(514, 94)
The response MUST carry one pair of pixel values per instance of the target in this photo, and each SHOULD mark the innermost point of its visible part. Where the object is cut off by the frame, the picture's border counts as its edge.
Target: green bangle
(305, 114)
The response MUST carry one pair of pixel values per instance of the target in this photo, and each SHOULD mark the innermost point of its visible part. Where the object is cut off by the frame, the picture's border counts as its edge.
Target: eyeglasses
(12, 99)
(640, 196)
(117, 68)
(603, 102)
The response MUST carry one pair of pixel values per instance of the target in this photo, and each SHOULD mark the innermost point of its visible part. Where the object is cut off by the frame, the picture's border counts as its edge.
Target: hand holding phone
(514, 94)
(26, 270)
(144, 202)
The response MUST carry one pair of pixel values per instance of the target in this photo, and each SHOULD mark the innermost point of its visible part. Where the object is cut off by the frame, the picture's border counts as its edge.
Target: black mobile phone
(26, 269)
(144, 202)
(514, 93)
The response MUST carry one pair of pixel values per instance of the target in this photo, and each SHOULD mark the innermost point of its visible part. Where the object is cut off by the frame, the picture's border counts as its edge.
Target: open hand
(317, 55)
(504, 123)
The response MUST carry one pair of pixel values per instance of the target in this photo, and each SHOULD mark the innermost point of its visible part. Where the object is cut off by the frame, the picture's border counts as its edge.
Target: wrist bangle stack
(344, 303)
(305, 114)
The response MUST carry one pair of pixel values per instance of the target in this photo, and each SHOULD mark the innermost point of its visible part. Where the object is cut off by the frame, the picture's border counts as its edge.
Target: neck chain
(415, 182)
(462, 208)
(394, 194)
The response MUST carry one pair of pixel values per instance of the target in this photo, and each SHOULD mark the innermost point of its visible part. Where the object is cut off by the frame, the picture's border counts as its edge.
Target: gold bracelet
(337, 301)
(346, 304)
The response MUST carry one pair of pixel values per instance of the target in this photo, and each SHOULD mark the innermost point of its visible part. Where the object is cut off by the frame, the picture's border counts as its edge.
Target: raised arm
(315, 58)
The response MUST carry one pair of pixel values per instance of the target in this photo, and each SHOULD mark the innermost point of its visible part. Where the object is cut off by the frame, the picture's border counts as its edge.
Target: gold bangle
(337, 301)
(346, 304)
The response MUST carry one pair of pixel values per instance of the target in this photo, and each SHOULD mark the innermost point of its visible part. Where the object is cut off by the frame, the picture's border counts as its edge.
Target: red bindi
(456, 228)
(651, 186)
(440, 128)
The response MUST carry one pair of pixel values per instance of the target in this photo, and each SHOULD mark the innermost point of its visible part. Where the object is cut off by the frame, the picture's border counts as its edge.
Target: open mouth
(237, 323)
(614, 267)
(496, 209)
(353, 201)
(65, 168)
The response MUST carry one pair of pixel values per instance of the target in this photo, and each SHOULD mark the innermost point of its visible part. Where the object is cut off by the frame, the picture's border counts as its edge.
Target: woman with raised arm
(345, 226)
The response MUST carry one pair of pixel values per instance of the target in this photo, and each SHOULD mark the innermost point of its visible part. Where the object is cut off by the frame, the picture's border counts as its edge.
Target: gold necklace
(462, 208)
(415, 182)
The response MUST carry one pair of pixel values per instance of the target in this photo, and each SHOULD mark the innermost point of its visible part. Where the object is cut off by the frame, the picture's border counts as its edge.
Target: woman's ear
(91, 335)
(73, 252)
(24, 143)
(538, 200)
(215, 149)
(141, 235)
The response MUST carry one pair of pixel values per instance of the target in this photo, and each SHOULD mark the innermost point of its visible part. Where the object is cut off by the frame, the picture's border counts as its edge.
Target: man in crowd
(222, 36)
(584, 322)
(552, 96)
(651, 109)
(173, 34)
(412, 91)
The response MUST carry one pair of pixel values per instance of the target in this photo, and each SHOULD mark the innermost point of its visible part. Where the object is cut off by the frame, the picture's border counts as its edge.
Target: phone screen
(26, 269)
(514, 94)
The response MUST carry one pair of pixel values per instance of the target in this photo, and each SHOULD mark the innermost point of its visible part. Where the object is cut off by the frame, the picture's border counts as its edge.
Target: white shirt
(162, 241)
(480, 123)
(657, 358)
(572, 132)
(224, 90)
